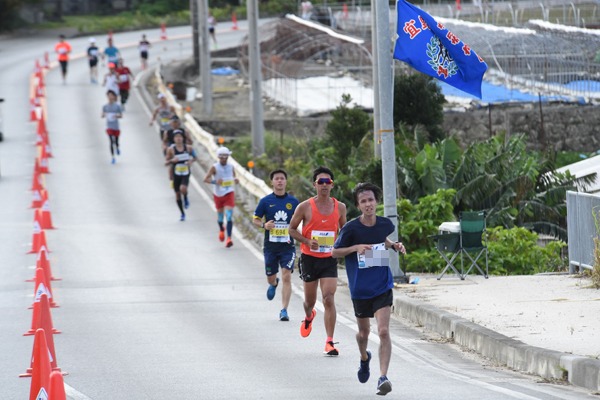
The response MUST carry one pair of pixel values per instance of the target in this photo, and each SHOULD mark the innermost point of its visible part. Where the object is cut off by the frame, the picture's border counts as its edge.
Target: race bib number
(124, 77)
(227, 182)
(62, 50)
(182, 169)
(325, 240)
(378, 256)
(280, 233)
(111, 117)
(94, 53)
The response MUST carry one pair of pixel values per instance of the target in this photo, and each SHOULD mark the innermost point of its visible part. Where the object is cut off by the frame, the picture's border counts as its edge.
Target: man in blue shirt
(364, 244)
(111, 53)
(277, 209)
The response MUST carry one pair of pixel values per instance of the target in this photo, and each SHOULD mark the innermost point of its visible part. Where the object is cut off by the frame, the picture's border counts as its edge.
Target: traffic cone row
(46, 377)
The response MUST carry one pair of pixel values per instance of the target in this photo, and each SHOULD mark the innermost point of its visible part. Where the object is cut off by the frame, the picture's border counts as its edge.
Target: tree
(418, 100)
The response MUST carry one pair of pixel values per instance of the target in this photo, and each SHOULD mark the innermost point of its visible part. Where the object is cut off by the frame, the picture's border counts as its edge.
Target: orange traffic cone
(42, 132)
(345, 11)
(46, 60)
(42, 286)
(32, 113)
(163, 31)
(43, 160)
(43, 263)
(57, 386)
(46, 215)
(41, 367)
(39, 236)
(39, 91)
(234, 20)
(39, 308)
(36, 182)
(37, 199)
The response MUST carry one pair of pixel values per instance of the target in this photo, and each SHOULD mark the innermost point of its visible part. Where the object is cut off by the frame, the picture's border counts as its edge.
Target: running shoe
(186, 202)
(222, 235)
(364, 372)
(384, 386)
(283, 315)
(114, 160)
(229, 243)
(272, 289)
(118, 151)
(330, 349)
(306, 326)
(182, 218)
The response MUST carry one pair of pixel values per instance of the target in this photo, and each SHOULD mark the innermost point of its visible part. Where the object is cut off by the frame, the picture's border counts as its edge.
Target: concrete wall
(565, 127)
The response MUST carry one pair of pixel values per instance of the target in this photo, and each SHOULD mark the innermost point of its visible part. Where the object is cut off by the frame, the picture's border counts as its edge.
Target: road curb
(549, 364)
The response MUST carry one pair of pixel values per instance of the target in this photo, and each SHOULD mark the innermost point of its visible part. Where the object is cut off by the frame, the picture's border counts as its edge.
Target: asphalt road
(154, 308)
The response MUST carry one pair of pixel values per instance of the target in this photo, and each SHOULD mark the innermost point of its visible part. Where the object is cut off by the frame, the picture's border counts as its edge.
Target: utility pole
(385, 91)
(376, 109)
(254, 59)
(195, 33)
(205, 75)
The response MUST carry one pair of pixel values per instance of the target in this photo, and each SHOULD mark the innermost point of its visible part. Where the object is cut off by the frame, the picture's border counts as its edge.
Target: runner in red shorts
(222, 175)
(112, 112)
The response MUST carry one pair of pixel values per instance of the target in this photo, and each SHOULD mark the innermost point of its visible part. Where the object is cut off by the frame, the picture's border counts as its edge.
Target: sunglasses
(323, 181)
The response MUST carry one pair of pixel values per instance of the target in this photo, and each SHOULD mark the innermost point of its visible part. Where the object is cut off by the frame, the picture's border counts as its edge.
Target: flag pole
(385, 91)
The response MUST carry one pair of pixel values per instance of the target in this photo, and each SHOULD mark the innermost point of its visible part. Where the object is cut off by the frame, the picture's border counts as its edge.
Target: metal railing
(581, 229)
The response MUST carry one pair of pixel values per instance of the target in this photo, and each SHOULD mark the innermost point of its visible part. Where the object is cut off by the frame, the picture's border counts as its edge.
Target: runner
(111, 53)
(63, 48)
(112, 113)
(92, 53)
(175, 125)
(111, 79)
(322, 217)
(222, 175)
(164, 112)
(277, 209)
(144, 47)
(364, 242)
(212, 22)
(180, 156)
(124, 74)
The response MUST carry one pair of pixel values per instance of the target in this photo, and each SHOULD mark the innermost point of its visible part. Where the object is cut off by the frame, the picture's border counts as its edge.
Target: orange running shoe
(222, 235)
(306, 326)
(330, 349)
(229, 243)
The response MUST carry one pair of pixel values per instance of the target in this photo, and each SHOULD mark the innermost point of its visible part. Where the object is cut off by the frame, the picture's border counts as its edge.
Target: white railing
(581, 229)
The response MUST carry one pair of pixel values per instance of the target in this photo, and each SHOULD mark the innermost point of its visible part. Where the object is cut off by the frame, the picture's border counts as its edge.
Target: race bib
(182, 169)
(111, 117)
(227, 182)
(94, 53)
(325, 240)
(124, 77)
(378, 256)
(62, 50)
(280, 233)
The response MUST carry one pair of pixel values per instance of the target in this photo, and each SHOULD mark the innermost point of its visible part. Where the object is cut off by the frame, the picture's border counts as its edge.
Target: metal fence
(581, 229)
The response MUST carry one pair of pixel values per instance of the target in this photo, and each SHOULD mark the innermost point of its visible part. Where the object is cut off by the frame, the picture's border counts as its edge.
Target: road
(154, 308)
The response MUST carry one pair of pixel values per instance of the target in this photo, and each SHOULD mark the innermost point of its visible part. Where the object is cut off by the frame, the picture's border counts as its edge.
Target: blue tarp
(224, 71)
(501, 94)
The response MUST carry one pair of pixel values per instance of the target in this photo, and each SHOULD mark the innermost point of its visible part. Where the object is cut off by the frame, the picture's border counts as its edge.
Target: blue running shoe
(283, 315)
(182, 218)
(186, 202)
(272, 289)
(113, 160)
(364, 372)
(384, 386)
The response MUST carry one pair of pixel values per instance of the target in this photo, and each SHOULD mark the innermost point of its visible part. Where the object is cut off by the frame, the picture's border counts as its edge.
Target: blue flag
(433, 50)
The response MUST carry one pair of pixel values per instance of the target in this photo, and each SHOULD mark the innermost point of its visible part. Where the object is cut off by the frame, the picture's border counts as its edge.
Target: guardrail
(581, 229)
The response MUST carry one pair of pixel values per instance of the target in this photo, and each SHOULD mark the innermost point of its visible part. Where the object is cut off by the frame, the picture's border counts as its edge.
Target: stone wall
(565, 127)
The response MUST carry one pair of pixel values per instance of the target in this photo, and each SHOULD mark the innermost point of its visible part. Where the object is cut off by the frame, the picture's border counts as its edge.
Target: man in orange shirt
(63, 48)
(322, 217)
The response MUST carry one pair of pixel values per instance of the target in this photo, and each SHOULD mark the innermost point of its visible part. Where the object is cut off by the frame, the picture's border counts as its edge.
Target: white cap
(92, 40)
(160, 96)
(223, 151)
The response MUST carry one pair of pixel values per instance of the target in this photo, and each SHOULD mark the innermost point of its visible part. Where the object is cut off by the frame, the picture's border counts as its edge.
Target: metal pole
(376, 110)
(254, 59)
(205, 76)
(195, 33)
(385, 91)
